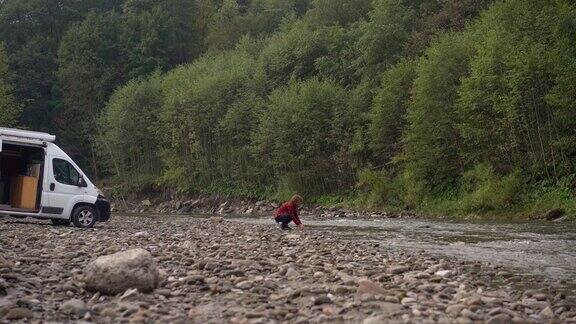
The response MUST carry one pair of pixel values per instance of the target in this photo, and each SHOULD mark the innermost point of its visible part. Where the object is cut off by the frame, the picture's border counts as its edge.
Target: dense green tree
(91, 66)
(129, 140)
(388, 113)
(342, 13)
(298, 135)
(264, 17)
(257, 18)
(213, 102)
(511, 79)
(432, 141)
(384, 34)
(294, 52)
(9, 109)
(225, 29)
(157, 35)
(31, 31)
(434, 17)
(562, 96)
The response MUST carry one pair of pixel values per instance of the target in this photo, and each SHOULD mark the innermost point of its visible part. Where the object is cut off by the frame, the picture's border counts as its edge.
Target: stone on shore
(74, 306)
(115, 273)
(369, 287)
(553, 214)
(19, 313)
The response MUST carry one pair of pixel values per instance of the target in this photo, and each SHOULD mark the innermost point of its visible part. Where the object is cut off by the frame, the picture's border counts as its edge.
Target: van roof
(14, 134)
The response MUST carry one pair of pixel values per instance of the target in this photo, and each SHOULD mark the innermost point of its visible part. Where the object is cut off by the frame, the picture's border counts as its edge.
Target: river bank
(165, 203)
(181, 204)
(215, 270)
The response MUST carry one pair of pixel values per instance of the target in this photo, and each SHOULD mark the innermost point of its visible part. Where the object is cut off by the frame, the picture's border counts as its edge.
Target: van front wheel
(84, 217)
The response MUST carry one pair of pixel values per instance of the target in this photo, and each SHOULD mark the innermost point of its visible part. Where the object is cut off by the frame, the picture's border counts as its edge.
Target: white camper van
(37, 179)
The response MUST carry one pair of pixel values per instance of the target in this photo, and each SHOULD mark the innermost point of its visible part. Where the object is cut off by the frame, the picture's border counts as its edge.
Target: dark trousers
(284, 219)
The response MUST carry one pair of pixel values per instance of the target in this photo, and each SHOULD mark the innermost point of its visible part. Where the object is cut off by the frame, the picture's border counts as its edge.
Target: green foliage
(291, 54)
(483, 190)
(384, 34)
(31, 31)
(431, 141)
(435, 17)
(387, 116)
(378, 189)
(89, 70)
(443, 106)
(225, 29)
(546, 195)
(510, 81)
(214, 102)
(129, 139)
(9, 109)
(264, 17)
(341, 13)
(303, 163)
(157, 35)
(259, 18)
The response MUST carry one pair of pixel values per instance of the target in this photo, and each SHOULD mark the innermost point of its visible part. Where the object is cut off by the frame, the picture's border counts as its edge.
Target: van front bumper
(103, 208)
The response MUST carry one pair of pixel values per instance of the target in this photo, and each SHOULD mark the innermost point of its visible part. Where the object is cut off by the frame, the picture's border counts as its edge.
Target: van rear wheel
(84, 216)
(60, 222)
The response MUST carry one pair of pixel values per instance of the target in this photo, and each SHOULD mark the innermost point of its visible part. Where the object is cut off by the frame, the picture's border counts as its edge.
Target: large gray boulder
(115, 273)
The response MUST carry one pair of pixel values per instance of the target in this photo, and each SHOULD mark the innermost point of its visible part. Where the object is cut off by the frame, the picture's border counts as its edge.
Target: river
(539, 248)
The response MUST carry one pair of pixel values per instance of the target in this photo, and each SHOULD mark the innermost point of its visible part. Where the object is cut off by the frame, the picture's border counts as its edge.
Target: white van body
(61, 194)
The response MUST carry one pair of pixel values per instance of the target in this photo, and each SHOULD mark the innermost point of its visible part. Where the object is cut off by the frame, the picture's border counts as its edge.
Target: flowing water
(537, 248)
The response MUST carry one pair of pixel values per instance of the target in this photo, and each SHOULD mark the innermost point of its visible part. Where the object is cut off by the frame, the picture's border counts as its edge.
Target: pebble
(322, 300)
(443, 273)
(19, 313)
(547, 313)
(454, 310)
(407, 300)
(499, 319)
(369, 287)
(540, 297)
(291, 273)
(141, 234)
(74, 306)
(398, 269)
(217, 219)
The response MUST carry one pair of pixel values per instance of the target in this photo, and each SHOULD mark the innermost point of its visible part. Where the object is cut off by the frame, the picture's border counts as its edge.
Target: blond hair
(297, 199)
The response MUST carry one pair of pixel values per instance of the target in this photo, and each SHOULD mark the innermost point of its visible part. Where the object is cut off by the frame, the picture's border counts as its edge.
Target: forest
(443, 107)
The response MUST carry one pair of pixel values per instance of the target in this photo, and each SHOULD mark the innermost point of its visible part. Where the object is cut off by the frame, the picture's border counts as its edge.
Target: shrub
(483, 190)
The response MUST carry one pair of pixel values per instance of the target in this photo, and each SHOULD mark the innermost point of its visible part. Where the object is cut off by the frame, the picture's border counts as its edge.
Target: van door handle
(52, 187)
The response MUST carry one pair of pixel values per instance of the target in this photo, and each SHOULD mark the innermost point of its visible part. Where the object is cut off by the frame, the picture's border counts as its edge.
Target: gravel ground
(213, 270)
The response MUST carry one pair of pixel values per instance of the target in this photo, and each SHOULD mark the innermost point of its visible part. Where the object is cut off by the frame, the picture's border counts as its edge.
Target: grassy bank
(531, 205)
(492, 200)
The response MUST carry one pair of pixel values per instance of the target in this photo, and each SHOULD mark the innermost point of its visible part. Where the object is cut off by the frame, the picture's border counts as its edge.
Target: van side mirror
(81, 182)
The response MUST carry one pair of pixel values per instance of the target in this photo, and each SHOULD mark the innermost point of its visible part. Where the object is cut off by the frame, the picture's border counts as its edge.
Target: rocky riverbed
(215, 270)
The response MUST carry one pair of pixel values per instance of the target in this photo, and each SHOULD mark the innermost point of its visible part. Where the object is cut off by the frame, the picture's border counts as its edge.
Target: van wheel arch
(80, 204)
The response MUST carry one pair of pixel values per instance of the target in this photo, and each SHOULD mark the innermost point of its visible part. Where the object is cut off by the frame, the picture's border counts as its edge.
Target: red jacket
(291, 209)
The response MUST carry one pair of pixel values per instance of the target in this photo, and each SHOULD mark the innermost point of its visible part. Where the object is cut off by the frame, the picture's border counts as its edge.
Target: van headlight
(100, 193)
